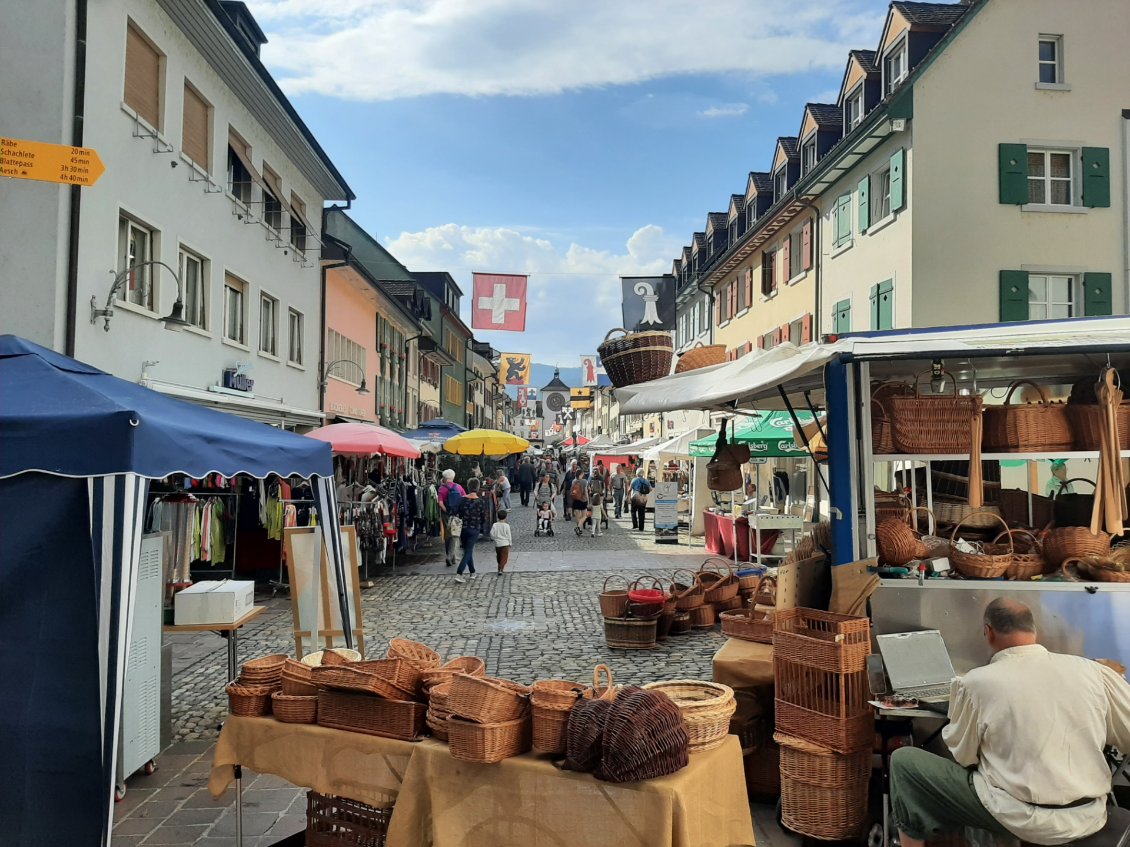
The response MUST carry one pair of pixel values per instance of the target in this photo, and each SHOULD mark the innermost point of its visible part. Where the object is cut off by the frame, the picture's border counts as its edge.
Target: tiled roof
(826, 114)
(788, 144)
(400, 289)
(866, 59)
(700, 239)
(718, 219)
(931, 14)
(738, 200)
(686, 253)
(762, 180)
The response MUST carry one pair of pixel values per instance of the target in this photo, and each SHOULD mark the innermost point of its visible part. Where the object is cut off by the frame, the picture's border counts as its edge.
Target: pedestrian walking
(471, 511)
(566, 487)
(640, 489)
(450, 496)
(619, 486)
(526, 481)
(502, 489)
(500, 534)
(596, 492)
(579, 501)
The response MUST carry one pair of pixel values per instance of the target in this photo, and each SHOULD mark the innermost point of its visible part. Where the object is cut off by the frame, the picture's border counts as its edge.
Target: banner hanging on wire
(499, 302)
(649, 303)
(515, 369)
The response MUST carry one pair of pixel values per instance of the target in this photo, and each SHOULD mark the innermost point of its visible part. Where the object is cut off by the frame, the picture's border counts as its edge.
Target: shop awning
(768, 435)
(676, 447)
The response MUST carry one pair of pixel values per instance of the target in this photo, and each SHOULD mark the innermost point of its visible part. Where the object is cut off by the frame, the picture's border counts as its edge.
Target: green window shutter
(864, 204)
(1096, 177)
(1014, 295)
(1097, 295)
(1013, 173)
(874, 307)
(843, 219)
(885, 307)
(898, 190)
(842, 318)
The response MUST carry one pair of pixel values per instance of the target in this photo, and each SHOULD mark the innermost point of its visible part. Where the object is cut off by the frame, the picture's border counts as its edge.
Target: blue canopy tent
(436, 429)
(79, 449)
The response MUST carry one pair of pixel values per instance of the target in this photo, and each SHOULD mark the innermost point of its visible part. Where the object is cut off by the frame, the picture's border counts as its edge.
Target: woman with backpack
(450, 496)
(640, 489)
(579, 500)
(471, 513)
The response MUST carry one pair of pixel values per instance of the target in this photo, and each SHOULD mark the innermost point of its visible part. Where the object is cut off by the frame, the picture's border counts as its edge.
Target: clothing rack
(282, 583)
(200, 494)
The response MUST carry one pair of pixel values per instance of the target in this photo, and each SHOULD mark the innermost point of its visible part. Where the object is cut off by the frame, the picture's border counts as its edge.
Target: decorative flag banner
(499, 302)
(649, 302)
(515, 369)
(531, 396)
(588, 370)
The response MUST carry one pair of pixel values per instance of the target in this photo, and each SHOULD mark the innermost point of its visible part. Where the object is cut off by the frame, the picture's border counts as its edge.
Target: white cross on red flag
(499, 302)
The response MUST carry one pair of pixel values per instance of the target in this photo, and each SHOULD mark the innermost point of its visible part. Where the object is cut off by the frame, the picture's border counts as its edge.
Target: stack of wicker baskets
(489, 719)
(250, 694)
(706, 706)
(632, 616)
(820, 669)
(551, 702)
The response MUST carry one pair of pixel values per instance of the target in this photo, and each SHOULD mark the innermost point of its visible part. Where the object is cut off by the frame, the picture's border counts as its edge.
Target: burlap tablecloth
(744, 664)
(442, 802)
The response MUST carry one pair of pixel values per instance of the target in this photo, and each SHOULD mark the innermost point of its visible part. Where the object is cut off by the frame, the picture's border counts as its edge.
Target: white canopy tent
(676, 447)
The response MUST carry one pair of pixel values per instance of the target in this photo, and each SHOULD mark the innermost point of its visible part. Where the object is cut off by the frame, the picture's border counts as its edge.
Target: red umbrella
(365, 439)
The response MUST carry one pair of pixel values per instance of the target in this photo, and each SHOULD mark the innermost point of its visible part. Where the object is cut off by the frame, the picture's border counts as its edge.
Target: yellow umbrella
(489, 442)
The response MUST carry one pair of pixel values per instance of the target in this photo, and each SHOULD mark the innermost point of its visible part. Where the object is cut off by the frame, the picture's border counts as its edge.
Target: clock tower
(555, 397)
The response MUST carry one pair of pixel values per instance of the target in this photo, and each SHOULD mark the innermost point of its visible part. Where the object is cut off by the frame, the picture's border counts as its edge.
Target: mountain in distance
(542, 374)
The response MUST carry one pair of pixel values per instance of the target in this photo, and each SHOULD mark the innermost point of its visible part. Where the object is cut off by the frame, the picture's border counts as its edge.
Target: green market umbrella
(768, 435)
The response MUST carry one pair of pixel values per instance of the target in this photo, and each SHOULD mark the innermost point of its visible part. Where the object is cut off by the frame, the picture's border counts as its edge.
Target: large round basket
(706, 706)
(718, 581)
(487, 700)
(992, 562)
(688, 594)
(823, 794)
(701, 356)
(419, 655)
(488, 742)
(898, 541)
(638, 357)
(1074, 542)
(1028, 559)
(614, 601)
(631, 633)
(1029, 427)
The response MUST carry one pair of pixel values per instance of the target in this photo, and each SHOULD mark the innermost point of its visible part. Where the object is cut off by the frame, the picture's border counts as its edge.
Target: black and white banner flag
(649, 302)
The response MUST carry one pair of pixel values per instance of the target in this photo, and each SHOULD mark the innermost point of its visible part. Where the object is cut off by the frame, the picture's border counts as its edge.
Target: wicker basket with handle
(718, 581)
(701, 356)
(1028, 560)
(934, 424)
(992, 562)
(748, 624)
(706, 706)
(882, 437)
(487, 700)
(1074, 542)
(614, 601)
(641, 356)
(688, 594)
(1087, 422)
(1028, 427)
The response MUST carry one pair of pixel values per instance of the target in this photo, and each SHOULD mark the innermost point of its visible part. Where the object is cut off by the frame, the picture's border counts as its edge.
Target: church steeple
(556, 384)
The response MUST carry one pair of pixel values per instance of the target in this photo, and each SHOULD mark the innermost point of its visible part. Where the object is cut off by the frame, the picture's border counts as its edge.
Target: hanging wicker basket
(933, 423)
(1074, 542)
(637, 357)
(701, 356)
(882, 437)
(1029, 427)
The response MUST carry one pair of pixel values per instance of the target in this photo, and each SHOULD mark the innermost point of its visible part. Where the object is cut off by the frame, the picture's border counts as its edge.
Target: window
(143, 77)
(781, 183)
(235, 309)
(453, 345)
(743, 303)
(344, 350)
(1050, 177)
(268, 325)
(1051, 59)
(853, 109)
(841, 220)
(452, 390)
(239, 168)
(703, 316)
(880, 195)
(296, 326)
(808, 155)
(894, 67)
(193, 276)
(135, 247)
(796, 332)
(196, 133)
(796, 253)
(768, 273)
(751, 213)
(297, 224)
(1050, 296)
(272, 205)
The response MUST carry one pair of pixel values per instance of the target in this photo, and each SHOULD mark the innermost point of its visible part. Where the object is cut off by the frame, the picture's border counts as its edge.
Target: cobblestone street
(540, 619)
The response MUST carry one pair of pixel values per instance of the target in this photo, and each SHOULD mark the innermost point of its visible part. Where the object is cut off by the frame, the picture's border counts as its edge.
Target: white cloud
(386, 49)
(725, 110)
(573, 294)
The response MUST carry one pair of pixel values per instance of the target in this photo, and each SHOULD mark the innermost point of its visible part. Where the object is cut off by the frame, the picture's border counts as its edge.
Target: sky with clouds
(571, 141)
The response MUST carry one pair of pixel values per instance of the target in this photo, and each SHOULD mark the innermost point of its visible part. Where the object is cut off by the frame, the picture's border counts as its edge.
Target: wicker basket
(824, 640)
(992, 562)
(749, 624)
(648, 357)
(632, 633)
(962, 513)
(339, 822)
(1014, 505)
(718, 584)
(1028, 558)
(706, 706)
(487, 743)
(294, 709)
(266, 670)
(601, 689)
(400, 672)
(898, 541)
(472, 665)
(420, 656)
(645, 602)
(249, 701)
(1074, 542)
(680, 624)
(1099, 568)
(371, 715)
(298, 679)
(1087, 422)
(891, 505)
(437, 709)
(823, 795)
(727, 605)
(933, 424)
(614, 602)
(748, 579)
(550, 729)
(555, 693)
(703, 617)
(826, 708)
(644, 737)
(882, 438)
(689, 594)
(1027, 428)
(701, 356)
(350, 678)
(314, 660)
(486, 699)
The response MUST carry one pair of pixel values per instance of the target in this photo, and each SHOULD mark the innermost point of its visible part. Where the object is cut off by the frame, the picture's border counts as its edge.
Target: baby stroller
(545, 520)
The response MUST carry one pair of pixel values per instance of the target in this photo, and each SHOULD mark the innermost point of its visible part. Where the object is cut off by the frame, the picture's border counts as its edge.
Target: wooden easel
(317, 618)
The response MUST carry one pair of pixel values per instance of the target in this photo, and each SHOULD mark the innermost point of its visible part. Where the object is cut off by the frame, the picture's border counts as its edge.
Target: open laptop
(918, 665)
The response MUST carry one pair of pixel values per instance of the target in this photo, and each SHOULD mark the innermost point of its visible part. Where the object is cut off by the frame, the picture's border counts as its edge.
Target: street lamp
(173, 321)
(361, 389)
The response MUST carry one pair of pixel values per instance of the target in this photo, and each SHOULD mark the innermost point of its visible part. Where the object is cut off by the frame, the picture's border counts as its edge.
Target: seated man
(1027, 732)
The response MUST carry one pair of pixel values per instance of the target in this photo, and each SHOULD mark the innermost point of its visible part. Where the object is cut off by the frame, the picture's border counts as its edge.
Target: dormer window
(808, 155)
(895, 67)
(751, 214)
(853, 108)
(781, 182)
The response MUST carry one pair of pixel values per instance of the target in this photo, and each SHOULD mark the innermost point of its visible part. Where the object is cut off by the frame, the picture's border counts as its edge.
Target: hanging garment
(219, 531)
(290, 515)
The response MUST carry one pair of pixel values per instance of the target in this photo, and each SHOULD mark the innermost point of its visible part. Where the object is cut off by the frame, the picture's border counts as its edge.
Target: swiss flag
(499, 302)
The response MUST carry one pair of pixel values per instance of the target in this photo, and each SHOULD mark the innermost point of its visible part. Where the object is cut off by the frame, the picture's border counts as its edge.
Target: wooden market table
(442, 802)
(230, 631)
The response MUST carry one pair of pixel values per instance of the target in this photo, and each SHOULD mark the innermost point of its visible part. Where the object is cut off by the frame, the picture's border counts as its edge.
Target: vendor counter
(723, 532)
(443, 802)
(744, 664)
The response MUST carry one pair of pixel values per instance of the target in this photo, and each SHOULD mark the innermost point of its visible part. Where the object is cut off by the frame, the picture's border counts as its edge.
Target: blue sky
(574, 142)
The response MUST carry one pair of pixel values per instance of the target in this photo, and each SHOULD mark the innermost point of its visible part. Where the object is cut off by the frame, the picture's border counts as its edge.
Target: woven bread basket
(701, 356)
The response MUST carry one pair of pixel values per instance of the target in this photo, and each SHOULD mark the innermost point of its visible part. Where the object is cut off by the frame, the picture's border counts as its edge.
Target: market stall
(80, 447)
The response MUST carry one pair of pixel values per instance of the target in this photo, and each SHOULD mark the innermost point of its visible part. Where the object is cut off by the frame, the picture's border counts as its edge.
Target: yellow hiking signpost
(21, 159)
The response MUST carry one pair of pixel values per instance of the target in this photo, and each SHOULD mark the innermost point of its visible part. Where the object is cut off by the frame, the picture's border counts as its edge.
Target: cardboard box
(213, 601)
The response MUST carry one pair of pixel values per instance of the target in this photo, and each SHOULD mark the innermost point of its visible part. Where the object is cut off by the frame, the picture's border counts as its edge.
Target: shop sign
(236, 380)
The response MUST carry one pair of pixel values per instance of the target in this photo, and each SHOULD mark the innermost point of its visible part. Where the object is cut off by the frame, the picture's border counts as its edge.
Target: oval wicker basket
(314, 660)
(298, 679)
(706, 706)
(718, 585)
(614, 602)
(1028, 560)
(1029, 427)
(925, 423)
(1073, 542)
(701, 356)
(688, 595)
(486, 699)
(991, 563)
(419, 655)
(294, 709)
(487, 743)
(249, 701)
(897, 542)
(472, 665)
(632, 633)
(638, 357)
(555, 693)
